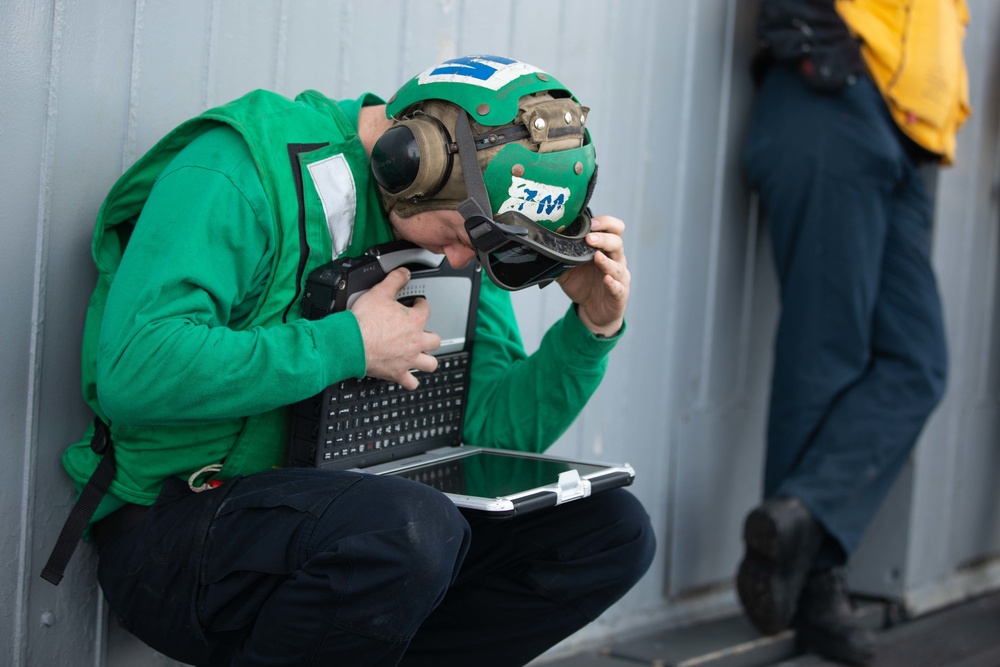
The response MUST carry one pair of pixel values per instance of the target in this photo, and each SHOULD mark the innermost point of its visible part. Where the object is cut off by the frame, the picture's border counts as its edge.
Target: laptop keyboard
(362, 422)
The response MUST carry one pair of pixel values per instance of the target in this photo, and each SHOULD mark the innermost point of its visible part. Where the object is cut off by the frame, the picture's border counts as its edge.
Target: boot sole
(755, 583)
(771, 576)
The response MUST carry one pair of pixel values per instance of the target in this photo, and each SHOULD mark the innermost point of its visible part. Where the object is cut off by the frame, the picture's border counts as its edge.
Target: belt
(129, 516)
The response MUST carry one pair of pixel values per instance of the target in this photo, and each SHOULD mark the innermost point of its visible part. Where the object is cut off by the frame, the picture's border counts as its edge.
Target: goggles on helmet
(514, 250)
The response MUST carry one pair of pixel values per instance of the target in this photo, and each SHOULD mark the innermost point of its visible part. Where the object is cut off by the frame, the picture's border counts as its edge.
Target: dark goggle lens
(517, 252)
(514, 266)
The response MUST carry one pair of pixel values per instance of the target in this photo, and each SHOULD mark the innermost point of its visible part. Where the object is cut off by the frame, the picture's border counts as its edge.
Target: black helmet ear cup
(396, 159)
(413, 158)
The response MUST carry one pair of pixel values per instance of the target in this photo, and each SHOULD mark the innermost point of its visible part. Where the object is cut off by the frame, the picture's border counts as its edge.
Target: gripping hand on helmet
(600, 288)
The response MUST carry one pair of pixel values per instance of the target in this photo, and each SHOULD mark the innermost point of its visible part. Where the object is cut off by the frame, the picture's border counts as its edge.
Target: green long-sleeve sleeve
(526, 402)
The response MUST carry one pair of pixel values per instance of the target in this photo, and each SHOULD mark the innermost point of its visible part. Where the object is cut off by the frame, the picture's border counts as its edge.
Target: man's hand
(394, 336)
(600, 288)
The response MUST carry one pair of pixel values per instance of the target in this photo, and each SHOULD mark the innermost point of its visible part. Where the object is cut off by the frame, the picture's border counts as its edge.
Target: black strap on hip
(93, 492)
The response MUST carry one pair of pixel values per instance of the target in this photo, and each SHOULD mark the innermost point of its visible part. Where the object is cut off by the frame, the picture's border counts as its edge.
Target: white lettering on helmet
(492, 72)
(538, 201)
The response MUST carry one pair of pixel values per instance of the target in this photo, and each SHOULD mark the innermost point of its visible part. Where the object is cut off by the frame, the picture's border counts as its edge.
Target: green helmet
(531, 144)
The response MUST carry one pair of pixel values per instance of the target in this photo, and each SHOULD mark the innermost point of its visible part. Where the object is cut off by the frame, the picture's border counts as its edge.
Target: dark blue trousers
(860, 357)
(310, 567)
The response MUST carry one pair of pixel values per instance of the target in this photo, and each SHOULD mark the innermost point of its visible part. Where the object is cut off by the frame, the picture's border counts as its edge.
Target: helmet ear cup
(396, 159)
(413, 158)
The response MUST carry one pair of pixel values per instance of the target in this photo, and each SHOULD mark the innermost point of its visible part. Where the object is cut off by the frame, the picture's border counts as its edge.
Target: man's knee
(615, 548)
(391, 562)
(610, 538)
(628, 531)
(414, 532)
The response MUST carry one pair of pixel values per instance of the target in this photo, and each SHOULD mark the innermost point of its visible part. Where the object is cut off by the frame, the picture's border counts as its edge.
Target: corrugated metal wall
(86, 87)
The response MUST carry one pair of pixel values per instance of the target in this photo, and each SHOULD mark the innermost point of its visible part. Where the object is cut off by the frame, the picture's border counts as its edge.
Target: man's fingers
(611, 244)
(394, 281)
(430, 342)
(421, 306)
(611, 267)
(426, 363)
(608, 224)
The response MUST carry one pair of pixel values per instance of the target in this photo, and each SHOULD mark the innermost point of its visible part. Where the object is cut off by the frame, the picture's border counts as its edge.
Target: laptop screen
(491, 474)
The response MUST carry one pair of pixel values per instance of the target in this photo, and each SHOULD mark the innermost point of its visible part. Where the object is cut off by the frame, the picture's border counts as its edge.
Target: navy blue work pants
(860, 356)
(310, 567)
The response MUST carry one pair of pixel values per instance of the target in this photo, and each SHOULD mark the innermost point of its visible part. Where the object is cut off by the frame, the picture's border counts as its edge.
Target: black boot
(825, 621)
(782, 540)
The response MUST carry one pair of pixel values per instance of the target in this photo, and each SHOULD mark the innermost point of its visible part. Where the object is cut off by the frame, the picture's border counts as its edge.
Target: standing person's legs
(529, 582)
(294, 567)
(825, 173)
(861, 446)
(859, 355)
(827, 167)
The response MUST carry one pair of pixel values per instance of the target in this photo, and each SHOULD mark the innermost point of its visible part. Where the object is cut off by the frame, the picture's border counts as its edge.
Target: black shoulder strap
(93, 492)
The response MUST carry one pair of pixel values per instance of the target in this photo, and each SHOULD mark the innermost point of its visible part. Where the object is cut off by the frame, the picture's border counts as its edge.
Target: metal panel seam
(670, 337)
(715, 233)
(35, 340)
(746, 312)
(128, 147)
(212, 57)
(987, 346)
(281, 48)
